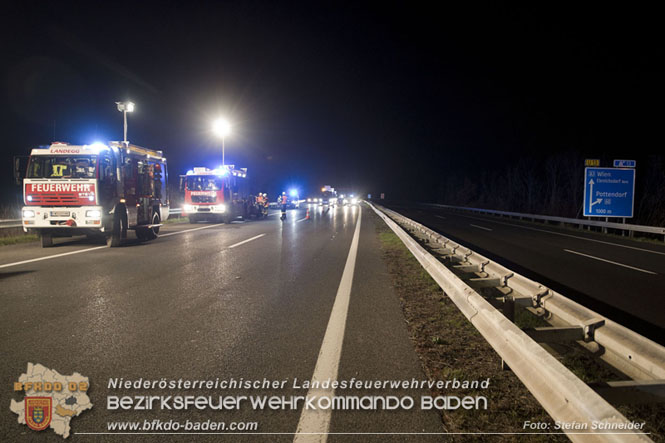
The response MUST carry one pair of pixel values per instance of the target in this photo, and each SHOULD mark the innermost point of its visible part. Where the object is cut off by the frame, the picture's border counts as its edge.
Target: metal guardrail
(10, 223)
(573, 221)
(564, 396)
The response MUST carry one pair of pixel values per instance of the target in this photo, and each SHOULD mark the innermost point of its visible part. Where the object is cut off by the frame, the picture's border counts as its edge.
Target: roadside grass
(449, 348)
(437, 326)
(16, 239)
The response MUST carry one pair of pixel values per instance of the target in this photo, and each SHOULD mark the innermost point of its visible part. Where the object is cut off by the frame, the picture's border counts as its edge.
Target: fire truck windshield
(204, 183)
(62, 166)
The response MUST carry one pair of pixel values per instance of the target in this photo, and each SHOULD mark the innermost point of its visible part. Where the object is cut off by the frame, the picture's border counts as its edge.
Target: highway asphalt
(248, 300)
(620, 278)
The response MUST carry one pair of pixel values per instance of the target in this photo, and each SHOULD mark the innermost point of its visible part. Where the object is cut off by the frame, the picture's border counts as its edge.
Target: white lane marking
(52, 256)
(480, 227)
(314, 423)
(610, 261)
(564, 235)
(302, 219)
(440, 216)
(246, 241)
(190, 230)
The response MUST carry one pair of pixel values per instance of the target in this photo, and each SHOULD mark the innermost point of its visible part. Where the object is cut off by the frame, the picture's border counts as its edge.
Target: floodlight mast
(221, 127)
(125, 107)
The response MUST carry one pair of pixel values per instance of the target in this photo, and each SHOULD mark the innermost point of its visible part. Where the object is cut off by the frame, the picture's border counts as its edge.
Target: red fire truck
(98, 190)
(217, 194)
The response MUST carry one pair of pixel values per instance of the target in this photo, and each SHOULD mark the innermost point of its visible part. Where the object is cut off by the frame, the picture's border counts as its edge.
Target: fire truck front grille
(203, 199)
(60, 198)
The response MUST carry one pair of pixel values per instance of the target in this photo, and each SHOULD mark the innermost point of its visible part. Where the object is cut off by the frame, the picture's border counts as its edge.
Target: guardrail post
(509, 308)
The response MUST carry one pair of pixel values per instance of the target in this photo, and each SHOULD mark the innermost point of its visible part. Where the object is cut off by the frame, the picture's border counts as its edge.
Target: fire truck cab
(98, 190)
(216, 194)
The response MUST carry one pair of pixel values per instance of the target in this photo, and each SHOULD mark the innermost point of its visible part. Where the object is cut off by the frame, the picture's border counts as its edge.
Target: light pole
(221, 127)
(125, 107)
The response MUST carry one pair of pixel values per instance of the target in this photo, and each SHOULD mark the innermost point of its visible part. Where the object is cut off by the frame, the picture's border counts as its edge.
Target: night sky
(375, 97)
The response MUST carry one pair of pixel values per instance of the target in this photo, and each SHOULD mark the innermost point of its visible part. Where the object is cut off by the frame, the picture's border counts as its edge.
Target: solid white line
(316, 422)
(440, 216)
(610, 261)
(480, 227)
(190, 230)
(302, 219)
(564, 235)
(52, 256)
(246, 241)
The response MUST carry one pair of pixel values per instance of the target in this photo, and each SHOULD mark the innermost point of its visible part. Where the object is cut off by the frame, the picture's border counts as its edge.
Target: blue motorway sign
(624, 163)
(608, 192)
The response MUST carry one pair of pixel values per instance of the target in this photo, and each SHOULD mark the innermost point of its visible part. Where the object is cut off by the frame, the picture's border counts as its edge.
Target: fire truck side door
(107, 177)
(130, 175)
(20, 168)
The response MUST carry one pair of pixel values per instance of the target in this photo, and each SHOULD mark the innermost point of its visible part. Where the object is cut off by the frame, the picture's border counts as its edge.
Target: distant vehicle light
(93, 213)
(27, 213)
(29, 198)
(354, 201)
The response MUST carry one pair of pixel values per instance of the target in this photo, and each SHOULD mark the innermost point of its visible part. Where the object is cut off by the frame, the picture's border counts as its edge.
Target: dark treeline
(552, 186)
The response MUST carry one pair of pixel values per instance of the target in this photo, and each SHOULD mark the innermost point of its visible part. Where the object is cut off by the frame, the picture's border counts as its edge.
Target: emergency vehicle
(328, 196)
(217, 194)
(98, 190)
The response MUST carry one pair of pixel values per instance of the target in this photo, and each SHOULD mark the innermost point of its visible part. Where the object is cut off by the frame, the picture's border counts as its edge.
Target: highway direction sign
(624, 163)
(608, 192)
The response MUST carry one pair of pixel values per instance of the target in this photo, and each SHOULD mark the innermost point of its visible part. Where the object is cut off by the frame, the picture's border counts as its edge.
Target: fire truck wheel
(119, 226)
(47, 240)
(153, 233)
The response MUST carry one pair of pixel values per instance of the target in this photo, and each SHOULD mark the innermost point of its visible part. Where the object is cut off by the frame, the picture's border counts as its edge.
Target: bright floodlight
(293, 192)
(125, 106)
(221, 127)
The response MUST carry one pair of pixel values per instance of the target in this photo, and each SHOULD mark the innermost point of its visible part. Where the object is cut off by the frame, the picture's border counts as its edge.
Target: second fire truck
(217, 194)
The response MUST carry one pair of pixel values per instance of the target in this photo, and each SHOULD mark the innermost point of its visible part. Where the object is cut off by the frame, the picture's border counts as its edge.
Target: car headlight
(27, 213)
(188, 208)
(354, 201)
(93, 213)
(221, 208)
